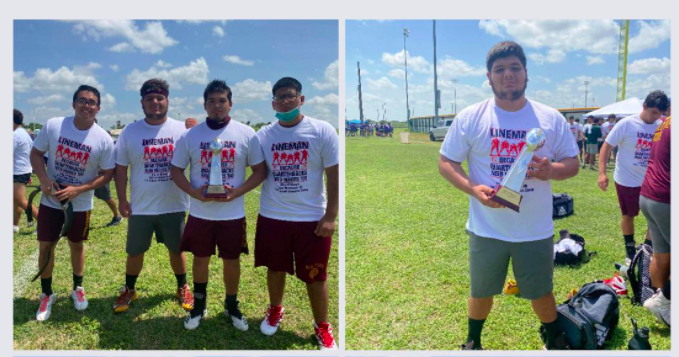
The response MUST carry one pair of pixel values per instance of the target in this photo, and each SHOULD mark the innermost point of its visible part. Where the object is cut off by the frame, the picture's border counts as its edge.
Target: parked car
(438, 131)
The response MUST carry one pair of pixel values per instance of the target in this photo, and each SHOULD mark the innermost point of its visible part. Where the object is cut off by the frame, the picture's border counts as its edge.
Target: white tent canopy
(621, 109)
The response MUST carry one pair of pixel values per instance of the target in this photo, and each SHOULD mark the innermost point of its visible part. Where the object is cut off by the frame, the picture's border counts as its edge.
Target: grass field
(407, 279)
(155, 320)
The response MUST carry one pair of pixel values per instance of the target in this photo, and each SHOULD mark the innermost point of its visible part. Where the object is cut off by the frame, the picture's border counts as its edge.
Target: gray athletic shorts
(658, 218)
(168, 227)
(592, 149)
(103, 193)
(532, 263)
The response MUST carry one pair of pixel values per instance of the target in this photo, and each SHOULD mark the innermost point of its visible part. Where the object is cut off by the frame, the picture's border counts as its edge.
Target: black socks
(200, 298)
(630, 245)
(181, 280)
(77, 281)
(474, 331)
(130, 281)
(46, 285)
(666, 290)
(231, 306)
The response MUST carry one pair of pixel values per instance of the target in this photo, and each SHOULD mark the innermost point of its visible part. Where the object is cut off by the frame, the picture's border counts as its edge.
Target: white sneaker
(272, 320)
(241, 324)
(15, 228)
(45, 309)
(79, 300)
(628, 261)
(659, 306)
(191, 323)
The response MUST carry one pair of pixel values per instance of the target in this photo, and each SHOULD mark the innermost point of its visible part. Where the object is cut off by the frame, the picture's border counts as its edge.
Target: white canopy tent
(621, 109)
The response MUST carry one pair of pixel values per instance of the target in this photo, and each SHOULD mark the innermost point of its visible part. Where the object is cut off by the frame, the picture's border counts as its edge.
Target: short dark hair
(217, 85)
(611, 116)
(155, 85)
(286, 82)
(577, 120)
(18, 117)
(86, 88)
(505, 49)
(657, 99)
(571, 117)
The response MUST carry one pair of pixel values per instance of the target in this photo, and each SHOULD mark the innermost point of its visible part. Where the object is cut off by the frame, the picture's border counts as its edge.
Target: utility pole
(455, 81)
(405, 57)
(360, 95)
(437, 94)
(586, 84)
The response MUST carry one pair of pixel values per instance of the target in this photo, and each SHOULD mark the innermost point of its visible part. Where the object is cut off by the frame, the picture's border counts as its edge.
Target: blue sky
(562, 55)
(51, 58)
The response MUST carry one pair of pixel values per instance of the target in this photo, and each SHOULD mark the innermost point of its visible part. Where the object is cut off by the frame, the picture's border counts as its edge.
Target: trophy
(216, 188)
(507, 194)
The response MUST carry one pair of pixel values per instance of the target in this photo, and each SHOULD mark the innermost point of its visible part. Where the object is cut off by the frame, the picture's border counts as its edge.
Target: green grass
(407, 274)
(155, 320)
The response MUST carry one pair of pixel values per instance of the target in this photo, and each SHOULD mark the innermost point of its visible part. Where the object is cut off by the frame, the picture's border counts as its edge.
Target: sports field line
(23, 274)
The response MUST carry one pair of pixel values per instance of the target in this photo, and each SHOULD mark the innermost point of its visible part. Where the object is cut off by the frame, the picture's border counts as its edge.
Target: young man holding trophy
(514, 147)
(218, 151)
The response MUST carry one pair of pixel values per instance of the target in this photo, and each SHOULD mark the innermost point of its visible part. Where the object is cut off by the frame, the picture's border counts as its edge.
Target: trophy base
(216, 192)
(507, 198)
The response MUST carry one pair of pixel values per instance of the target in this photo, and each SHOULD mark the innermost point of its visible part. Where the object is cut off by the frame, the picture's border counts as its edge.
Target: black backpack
(590, 316)
(639, 276)
(567, 257)
(562, 205)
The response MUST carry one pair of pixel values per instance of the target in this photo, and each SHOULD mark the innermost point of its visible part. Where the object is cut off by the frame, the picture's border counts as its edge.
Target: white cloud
(218, 31)
(244, 115)
(554, 55)
(108, 101)
(543, 79)
(114, 67)
(121, 47)
(592, 60)
(651, 35)
(330, 77)
(61, 80)
(453, 67)
(152, 39)
(44, 113)
(107, 120)
(237, 60)
(594, 36)
(642, 86)
(46, 99)
(330, 99)
(417, 63)
(649, 65)
(193, 73)
(163, 64)
(381, 83)
(251, 90)
(399, 74)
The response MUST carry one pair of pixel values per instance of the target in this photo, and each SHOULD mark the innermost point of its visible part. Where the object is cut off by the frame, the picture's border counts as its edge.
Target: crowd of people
(297, 211)
(368, 128)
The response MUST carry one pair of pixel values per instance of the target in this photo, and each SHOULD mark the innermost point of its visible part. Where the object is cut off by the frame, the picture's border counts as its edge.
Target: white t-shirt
(296, 158)
(240, 149)
(633, 138)
(76, 157)
(586, 128)
(148, 150)
(606, 128)
(575, 130)
(491, 138)
(22, 152)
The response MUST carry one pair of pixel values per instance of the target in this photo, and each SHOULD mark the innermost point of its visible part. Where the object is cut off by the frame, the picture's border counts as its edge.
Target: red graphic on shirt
(158, 153)
(70, 161)
(505, 146)
(86, 157)
(60, 150)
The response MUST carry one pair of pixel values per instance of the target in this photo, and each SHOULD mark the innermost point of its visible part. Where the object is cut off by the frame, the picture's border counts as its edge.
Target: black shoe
(115, 221)
(469, 346)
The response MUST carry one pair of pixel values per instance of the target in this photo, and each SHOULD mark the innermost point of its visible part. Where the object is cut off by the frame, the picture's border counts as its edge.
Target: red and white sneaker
(617, 283)
(273, 319)
(79, 300)
(326, 341)
(45, 309)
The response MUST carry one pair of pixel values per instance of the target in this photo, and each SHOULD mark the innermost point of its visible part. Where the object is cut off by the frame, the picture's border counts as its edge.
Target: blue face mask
(288, 116)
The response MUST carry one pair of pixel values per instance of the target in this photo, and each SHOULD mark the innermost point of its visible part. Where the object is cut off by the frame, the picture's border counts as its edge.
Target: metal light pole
(437, 94)
(455, 81)
(586, 84)
(405, 57)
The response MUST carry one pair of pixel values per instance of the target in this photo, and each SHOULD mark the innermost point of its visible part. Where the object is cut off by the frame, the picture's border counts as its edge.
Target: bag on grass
(570, 249)
(590, 316)
(639, 274)
(562, 205)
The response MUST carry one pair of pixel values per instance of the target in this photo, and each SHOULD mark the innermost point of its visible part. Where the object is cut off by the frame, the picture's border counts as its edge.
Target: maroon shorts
(50, 221)
(628, 197)
(201, 236)
(280, 243)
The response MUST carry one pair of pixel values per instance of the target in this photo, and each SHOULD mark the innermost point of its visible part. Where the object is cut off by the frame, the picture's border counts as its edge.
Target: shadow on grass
(132, 330)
